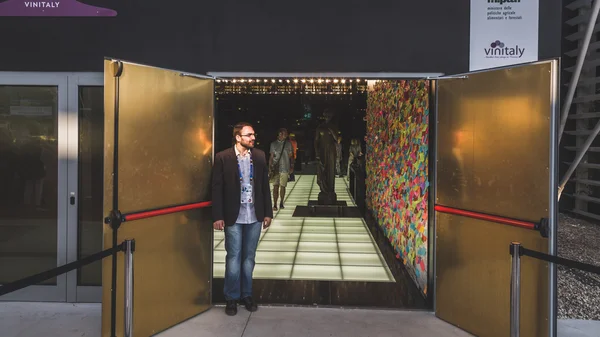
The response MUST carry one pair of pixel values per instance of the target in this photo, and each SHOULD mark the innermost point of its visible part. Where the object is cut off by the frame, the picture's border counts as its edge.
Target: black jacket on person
(226, 188)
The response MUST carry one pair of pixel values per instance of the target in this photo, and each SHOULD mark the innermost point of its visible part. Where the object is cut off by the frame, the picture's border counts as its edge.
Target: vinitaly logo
(497, 49)
(52, 8)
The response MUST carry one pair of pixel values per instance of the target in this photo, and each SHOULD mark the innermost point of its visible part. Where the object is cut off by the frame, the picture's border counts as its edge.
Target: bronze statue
(325, 150)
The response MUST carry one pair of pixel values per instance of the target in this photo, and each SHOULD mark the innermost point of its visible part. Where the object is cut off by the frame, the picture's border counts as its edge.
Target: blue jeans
(241, 241)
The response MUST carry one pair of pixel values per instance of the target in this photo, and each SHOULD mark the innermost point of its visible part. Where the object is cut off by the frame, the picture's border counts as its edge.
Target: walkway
(77, 320)
(68, 320)
(298, 248)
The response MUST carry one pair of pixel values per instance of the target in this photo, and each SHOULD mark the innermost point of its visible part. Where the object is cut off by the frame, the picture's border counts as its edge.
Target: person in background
(295, 150)
(33, 172)
(338, 156)
(294, 144)
(281, 164)
(354, 151)
(241, 203)
(9, 161)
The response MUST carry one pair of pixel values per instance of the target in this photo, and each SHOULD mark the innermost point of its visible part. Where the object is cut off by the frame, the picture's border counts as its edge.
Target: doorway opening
(328, 260)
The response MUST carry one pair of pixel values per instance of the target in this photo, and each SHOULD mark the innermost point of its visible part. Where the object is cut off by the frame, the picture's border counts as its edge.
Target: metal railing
(115, 219)
(128, 301)
(127, 246)
(516, 251)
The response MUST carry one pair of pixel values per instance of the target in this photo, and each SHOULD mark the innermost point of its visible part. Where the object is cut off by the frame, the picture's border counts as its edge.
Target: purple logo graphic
(52, 8)
(497, 44)
(498, 50)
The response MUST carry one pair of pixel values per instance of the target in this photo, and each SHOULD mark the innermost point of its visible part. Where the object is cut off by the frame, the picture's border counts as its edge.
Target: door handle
(72, 198)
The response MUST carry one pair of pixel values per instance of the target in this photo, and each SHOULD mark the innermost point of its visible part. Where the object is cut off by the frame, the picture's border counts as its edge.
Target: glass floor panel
(352, 230)
(357, 273)
(281, 236)
(317, 258)
(275, 257)
(354, 259)
(317, 237)
(334, 249)
(315, 272)
(278, 246)
(272, 271)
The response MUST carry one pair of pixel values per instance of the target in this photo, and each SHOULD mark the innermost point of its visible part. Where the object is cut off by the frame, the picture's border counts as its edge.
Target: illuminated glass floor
(333, 249)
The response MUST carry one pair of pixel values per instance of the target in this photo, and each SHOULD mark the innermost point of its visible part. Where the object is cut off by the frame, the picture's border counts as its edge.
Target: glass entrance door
(33, 174)
(85, 183)
(51, 182)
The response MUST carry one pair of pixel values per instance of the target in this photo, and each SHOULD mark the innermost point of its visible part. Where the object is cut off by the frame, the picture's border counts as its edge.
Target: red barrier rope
(166, 210)
(487, 217)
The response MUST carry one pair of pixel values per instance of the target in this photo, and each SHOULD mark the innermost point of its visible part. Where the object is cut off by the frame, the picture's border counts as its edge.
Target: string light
(284, 86)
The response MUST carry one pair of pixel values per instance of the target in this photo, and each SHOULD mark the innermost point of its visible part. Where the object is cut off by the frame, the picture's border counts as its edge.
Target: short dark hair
(237, 129)
(282, 130)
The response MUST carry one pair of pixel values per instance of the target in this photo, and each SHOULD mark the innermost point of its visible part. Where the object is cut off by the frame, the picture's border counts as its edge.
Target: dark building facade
(266, 35)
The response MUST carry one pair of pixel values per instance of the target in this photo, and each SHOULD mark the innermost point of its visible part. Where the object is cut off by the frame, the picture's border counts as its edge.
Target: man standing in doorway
(281, 164)
(241, 205)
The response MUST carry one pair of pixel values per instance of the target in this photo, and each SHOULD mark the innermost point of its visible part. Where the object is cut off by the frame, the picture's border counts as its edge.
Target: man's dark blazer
(226, 188)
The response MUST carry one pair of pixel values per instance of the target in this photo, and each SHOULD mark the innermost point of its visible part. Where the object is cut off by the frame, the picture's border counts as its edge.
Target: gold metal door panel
(473, 277)
(493, 142)
(165, 123)
(493, 156)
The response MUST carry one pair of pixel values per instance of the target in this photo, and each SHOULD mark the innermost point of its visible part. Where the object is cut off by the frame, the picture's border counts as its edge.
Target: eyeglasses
(249, 135)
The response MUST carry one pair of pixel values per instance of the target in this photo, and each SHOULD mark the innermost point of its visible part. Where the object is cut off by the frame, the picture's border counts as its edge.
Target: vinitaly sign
(52, 8)
(503, 33)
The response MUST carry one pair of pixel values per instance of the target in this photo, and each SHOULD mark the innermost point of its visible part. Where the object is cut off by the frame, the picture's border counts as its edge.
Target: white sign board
(503, 32)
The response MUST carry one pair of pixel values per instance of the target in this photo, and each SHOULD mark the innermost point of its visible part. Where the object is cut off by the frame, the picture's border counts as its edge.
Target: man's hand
(219, 225)
(267, 223)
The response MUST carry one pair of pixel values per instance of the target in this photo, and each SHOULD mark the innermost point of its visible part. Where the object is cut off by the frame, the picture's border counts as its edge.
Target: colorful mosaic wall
(397, 169)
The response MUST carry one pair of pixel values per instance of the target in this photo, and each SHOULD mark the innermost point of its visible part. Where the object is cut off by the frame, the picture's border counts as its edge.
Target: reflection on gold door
(165, 132)
(493, 155)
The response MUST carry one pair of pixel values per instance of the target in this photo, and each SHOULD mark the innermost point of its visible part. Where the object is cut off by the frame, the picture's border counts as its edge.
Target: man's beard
(247, 145)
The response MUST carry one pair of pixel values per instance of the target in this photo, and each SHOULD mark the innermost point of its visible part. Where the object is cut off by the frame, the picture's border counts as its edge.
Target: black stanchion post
(129, 247)
(117, 71)
(114, 220)
(515, 289)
